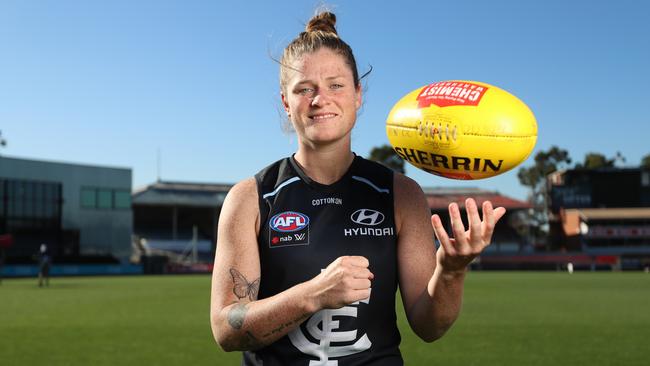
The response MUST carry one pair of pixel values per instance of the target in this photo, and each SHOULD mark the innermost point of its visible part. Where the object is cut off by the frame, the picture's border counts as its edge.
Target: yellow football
(462, 129)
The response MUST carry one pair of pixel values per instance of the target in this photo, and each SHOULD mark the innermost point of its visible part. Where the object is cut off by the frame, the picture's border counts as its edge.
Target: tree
(546, 162)
(645, 162)
(534, 177)
(593, 161)
(598, 160)
(386, 155)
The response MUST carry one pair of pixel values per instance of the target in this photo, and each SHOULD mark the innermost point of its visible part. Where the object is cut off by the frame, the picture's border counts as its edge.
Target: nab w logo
(366, 216)
(322, 328)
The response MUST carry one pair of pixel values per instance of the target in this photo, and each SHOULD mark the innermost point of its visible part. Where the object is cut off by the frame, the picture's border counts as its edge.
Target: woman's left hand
(454, 254)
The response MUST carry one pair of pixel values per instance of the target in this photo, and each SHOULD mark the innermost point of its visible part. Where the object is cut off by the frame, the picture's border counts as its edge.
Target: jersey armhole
(263, 203)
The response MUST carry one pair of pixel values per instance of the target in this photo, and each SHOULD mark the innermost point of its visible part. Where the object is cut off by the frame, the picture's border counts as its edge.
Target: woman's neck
(325, 165)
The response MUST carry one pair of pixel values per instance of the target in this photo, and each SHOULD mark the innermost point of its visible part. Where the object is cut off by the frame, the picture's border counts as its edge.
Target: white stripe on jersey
(366, 181)
(282, 185)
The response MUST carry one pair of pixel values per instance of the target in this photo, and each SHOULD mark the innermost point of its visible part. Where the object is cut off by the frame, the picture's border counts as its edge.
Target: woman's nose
(319, 100)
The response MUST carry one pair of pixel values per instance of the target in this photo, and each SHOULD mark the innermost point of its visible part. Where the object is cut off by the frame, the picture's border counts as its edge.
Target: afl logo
(366, 216)
(289, 221)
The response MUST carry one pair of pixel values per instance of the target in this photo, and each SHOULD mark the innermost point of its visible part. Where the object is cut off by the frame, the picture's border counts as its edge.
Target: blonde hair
(319, 32)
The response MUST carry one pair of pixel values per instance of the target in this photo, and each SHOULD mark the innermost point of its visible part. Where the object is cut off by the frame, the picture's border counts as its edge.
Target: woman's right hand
(346, 280)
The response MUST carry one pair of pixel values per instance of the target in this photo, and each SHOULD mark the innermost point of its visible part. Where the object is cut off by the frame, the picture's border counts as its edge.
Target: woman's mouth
(323, 116)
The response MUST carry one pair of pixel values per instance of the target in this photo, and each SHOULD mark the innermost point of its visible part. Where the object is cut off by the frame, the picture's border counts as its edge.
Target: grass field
(508, 318)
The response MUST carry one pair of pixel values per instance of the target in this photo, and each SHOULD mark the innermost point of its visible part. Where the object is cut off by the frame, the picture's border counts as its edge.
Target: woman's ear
(358, 96)
(285, 104)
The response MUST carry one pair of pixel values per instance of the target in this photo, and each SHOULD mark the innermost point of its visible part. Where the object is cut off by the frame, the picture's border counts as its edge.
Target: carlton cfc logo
(289, 221)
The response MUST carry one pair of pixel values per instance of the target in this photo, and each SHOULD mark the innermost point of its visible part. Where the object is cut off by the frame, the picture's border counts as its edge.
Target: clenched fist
(344, 281)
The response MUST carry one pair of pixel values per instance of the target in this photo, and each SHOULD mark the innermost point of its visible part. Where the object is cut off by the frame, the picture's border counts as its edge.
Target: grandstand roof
(212, 195)
(181, 194)
(439, 198)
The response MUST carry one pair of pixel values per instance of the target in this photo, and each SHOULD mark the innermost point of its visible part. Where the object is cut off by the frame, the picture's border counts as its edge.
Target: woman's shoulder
(410, 203)
(242, 192)
(244, 186)
(405, 185)
(407, 191)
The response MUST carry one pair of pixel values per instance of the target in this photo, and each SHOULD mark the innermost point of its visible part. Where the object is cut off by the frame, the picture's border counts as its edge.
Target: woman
(311, 250)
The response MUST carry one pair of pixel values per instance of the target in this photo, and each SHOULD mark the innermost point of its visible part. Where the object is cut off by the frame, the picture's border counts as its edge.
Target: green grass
(508, 318)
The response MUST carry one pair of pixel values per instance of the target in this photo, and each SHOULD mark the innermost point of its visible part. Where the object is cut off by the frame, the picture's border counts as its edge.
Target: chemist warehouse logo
(288, 228)
(369, 219)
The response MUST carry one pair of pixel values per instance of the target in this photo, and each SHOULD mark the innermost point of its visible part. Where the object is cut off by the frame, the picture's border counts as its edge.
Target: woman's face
(321, 99)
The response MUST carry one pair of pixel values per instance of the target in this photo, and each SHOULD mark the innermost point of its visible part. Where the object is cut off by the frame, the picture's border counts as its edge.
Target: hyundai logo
(366, 216)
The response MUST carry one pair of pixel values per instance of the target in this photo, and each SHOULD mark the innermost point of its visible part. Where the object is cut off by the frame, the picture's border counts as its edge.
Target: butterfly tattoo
(242, 287)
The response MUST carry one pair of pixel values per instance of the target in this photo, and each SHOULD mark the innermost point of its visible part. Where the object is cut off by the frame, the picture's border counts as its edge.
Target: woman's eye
(305, 91)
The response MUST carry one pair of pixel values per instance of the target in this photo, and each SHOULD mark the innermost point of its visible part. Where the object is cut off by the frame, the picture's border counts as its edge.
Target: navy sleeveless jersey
(304, 227)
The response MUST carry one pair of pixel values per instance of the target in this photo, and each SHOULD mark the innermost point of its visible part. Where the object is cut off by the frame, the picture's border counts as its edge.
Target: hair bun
(324, 22)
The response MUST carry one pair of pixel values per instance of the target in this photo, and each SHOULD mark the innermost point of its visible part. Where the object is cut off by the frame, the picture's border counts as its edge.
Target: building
(80, 211)
(599, 188)
(603, 213)
(166, 213)
(176, 217)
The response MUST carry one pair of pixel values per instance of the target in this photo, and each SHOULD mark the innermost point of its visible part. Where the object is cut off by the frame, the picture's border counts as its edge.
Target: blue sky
(113, 82)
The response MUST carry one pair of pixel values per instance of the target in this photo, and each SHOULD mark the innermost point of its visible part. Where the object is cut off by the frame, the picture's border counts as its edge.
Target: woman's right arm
(242, 322)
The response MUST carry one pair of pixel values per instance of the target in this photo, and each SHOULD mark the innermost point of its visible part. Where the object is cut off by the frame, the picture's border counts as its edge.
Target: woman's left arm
(431, 283)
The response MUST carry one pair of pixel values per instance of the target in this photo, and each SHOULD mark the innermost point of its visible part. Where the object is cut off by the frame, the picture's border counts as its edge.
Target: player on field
(44, 262)
(312, 249)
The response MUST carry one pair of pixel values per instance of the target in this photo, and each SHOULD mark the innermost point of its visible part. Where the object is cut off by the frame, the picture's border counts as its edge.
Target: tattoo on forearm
(242, 288)
(236, 318)
(237, 315)
(287, 324)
